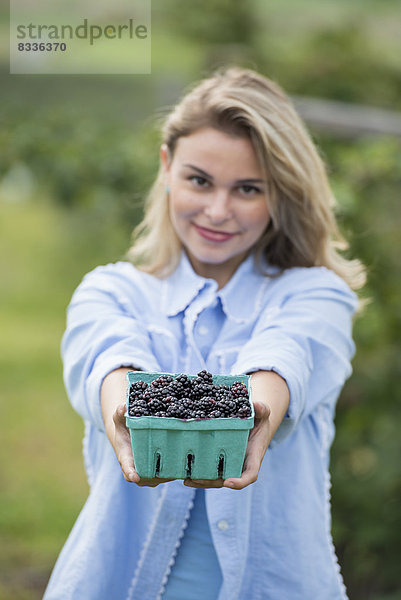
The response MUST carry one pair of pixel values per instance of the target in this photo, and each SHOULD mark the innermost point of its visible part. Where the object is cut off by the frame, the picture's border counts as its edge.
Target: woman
(235, 268)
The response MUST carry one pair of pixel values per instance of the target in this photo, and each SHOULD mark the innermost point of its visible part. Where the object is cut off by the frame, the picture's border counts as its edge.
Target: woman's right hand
(122, 448)
(113, 389)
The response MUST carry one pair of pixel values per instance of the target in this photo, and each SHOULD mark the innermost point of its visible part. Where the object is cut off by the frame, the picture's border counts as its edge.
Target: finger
(127, 464)
(122, 444)
(119, 415)
(249, 475)
(262, 410)
(253, 459)
(256, 448)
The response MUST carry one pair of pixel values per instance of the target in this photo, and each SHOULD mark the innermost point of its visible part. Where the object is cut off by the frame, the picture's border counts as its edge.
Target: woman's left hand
(270, 397)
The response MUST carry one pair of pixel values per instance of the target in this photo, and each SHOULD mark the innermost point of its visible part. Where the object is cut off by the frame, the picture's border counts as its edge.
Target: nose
(218, 208)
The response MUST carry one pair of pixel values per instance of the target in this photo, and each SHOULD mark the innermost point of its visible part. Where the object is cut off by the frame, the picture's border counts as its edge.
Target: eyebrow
(205, 174)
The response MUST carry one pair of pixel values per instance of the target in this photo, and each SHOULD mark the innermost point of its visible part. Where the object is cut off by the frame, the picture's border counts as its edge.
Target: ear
(165, 160)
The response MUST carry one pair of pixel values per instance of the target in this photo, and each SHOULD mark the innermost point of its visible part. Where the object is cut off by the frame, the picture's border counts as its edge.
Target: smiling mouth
(213, 235)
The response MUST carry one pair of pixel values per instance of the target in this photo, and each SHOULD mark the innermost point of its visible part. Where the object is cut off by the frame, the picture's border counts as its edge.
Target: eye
(249, 190)
(198, 181)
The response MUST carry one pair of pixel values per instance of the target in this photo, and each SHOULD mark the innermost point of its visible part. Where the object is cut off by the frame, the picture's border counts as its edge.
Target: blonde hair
(302, 231)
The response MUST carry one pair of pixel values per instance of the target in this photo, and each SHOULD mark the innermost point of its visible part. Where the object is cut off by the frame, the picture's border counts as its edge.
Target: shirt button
(222, 525)
(203, 330)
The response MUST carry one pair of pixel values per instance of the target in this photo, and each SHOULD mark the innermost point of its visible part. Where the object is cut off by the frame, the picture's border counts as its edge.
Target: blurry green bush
(365, 467)
(80, 162)
(340, 63)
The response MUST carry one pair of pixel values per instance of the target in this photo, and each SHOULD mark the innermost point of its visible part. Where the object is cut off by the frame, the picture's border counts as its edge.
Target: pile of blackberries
(185, 398)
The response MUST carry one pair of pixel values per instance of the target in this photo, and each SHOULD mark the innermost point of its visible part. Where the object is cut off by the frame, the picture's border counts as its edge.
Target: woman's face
(217, 200)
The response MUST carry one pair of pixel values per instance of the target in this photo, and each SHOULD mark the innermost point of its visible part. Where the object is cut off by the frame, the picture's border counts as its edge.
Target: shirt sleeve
(102, 334)
(307, 340)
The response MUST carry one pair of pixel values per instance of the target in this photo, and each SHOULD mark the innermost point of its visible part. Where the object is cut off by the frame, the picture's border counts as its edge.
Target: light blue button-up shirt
(272, 538)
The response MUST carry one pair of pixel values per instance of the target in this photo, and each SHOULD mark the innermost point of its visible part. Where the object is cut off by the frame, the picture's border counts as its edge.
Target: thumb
(119, 415)
(262, 410)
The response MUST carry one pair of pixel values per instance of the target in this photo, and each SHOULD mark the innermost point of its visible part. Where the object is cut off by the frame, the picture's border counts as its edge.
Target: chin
(212, 259)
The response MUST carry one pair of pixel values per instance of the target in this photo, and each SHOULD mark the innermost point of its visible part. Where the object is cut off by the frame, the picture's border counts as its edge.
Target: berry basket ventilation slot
(204, 447)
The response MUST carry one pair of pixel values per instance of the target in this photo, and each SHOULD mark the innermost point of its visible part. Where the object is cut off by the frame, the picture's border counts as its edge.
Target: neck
(221, 273)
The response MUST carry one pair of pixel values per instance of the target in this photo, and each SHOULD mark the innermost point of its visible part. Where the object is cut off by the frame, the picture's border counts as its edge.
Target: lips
(213, 235)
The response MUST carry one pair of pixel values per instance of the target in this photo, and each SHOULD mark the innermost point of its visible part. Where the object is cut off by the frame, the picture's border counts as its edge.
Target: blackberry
(185, 398)
(200, 389)
(213, 390)
(239, 389)
(138, 386)
(244, 411)
(188, 403)
(215, 414)
(223, 393)
(242, 401)
(205, 376)
(164, 392)
(155, 406)
(196, 393)
(161, 381)
(160, 413)
(137, 389)
(170, 400)
(198, 414)
(184, 380)
(224, 409)
(207, 404)
(147, 395)
(176, 388)
(139, 402)
(137, 411)
(177, 410)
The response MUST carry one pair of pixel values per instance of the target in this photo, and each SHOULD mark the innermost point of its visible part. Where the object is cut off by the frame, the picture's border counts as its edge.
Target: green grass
(42, 475)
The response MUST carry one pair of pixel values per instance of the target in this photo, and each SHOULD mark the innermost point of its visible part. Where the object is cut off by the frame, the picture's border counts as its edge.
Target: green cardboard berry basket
(175, 448)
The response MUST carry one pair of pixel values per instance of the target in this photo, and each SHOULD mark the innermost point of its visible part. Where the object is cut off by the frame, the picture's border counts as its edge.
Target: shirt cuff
(102, 368)
(296, 388)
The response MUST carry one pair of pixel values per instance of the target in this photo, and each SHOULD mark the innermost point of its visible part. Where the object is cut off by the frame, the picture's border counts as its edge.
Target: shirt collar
(182, 286)
(241, 297)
